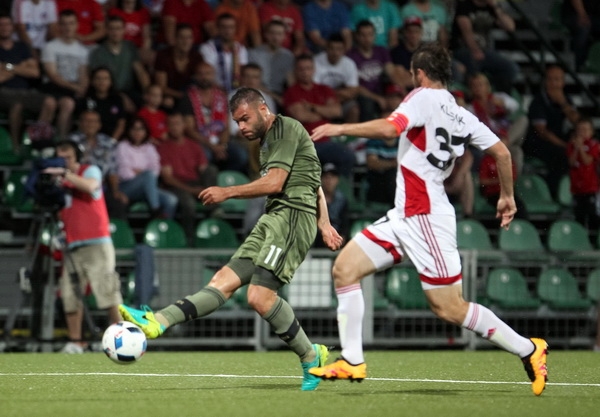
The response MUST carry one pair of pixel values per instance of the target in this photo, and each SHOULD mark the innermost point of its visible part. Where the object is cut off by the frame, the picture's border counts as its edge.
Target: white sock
(485, 323)
(350, 312)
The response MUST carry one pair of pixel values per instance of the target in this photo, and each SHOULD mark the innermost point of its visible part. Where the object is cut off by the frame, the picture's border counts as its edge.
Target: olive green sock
(204, 302)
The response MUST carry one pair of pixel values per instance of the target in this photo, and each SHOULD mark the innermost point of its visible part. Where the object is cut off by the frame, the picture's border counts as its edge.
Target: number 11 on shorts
(274, 254)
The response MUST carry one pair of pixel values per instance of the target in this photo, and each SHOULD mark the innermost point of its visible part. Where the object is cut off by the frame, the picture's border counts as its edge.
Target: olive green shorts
(279, 242)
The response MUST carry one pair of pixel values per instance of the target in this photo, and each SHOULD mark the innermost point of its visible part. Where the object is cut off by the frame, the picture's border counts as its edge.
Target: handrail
(544, 42)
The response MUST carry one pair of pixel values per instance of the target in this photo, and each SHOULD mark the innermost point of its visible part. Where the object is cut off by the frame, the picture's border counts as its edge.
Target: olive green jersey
(287, 145)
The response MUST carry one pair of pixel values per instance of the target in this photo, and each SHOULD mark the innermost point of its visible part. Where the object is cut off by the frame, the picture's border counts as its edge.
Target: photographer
(90, 255)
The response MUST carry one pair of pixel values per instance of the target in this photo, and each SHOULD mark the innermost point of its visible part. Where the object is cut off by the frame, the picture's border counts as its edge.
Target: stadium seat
(534, 192)
(522, 241)
(481, 206)
(507, 288)
(558, 289)
(593, 59)
(227, 179)
(164, 234)
(14, 193)
(355, 205)
(8, 156)
(215, 234)
(472, 235)
(592, 287)
(565, 198)
(123, 238)
(570, 236)
(403, 288)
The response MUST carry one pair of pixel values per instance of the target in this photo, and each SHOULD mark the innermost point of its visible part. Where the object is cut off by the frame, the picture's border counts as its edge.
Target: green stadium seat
(593, 59)
(480, 204)
(472, 235)
(570, 236)
(522, 241)
(123, 238)
(227, 179)
(164, 234)
(358, 225)
(534, 192)
(565, 198)
(14, 193)
(592, 287)
(216, 234)
(8, 156)
(403, 288)
(355, 205)
(507, 289)
(558, 288)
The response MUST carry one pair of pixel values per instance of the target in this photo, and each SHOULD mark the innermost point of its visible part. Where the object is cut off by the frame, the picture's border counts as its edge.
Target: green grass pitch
(267, 384)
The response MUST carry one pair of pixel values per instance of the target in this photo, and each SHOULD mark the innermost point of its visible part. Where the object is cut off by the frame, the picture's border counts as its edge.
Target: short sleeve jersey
(436, 133)
(287, 145)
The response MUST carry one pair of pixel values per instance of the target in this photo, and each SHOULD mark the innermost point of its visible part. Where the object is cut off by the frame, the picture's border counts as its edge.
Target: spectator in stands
(375, 68)
(246, 17)
(547, 139)
(154, 6)
(175, 65)
(288, 13)
(205, 112)
(18, 69)
(459, 185)
(412, 37)
(91, 254)
(225, 54)
(138, 166)
(500, 112)
(583, 151)
(385, 18)
(152, 114)
(337, 204)
(582, 18)
(137, 26)
(36, 22)
(197, 14)
(185, 171)
(489, 182)
(65, 63)
(99, 150)
(103, 98)
(473, 23)
(323, 18)
(334, 69)
(313, 105)
(434, 17)
(90, 18)
(382, 168)
(122, 59)
(276, 61)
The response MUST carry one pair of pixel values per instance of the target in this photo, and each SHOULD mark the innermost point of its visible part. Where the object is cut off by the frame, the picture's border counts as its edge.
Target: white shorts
(428, 240)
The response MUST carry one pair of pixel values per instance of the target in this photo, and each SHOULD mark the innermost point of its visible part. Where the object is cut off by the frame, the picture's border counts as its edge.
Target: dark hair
(304, 57)
(335, 37)
(434, 60)
(246, 95)
(182, 26)
(67, 13)
(5, 15)
(114, 18)
(251, 65)
(224, 16)
(275, 22)
(77, 148)
(138, 4)
(91, 92)
(133, 121)
(364, 24)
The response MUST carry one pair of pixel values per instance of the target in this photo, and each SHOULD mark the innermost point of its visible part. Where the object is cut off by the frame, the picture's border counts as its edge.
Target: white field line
(451, 381)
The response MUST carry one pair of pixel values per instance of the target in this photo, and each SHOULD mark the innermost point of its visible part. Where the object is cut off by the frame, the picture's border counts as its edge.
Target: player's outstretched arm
(378, 128)
(271, 183)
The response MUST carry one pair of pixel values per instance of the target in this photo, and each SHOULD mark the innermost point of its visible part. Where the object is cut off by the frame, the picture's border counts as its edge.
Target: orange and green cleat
(341, 369)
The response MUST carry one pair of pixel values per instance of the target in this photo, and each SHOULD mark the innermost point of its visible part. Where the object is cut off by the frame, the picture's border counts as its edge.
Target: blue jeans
(144, 187)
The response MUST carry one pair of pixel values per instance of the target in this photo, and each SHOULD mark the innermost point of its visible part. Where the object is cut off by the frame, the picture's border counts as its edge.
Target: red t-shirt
(87, 11)
(195, 15)
(156, 121)
(185, 158)
(134, 23)
(290, 16)
(319, 94)
(584, 178)
(489, 170)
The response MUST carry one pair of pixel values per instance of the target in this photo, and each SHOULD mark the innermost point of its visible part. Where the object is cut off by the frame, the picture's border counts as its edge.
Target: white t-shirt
(224, 67)
(36, 18)
(437, 132)
(68, 57)
(341, 74)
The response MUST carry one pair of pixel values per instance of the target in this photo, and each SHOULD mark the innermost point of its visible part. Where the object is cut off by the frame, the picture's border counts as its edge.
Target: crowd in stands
(144, 87)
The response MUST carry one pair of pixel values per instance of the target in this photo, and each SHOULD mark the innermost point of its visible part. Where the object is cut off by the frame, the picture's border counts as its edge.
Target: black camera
(43, 187)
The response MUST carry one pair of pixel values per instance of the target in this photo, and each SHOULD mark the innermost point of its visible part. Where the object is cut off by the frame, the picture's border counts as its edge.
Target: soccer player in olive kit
(277, 245)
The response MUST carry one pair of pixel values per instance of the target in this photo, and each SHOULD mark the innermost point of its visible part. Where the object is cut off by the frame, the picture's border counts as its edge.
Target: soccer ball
(124, 342)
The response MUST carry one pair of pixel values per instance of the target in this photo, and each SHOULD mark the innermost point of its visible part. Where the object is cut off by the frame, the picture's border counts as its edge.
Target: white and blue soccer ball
(124, 342)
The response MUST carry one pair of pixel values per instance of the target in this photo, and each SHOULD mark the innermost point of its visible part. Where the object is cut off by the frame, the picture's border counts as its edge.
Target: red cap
(392, 89)
(413, 20)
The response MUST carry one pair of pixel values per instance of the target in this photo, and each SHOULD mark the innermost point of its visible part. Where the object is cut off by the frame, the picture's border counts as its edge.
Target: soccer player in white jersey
(433, 132)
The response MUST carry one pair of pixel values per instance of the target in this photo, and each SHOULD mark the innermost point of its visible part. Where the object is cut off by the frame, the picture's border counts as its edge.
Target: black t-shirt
(17, 54)
(483, 19)
(110, 109)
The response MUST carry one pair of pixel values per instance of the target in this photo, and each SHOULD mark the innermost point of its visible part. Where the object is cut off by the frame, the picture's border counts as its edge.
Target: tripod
(37, 284)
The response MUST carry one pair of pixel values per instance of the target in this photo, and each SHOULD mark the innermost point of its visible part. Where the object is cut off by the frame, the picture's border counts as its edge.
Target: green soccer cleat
(144, 319)
(310, 382)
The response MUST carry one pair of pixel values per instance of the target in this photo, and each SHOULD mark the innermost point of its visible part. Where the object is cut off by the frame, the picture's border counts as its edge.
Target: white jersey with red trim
(436, 133)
